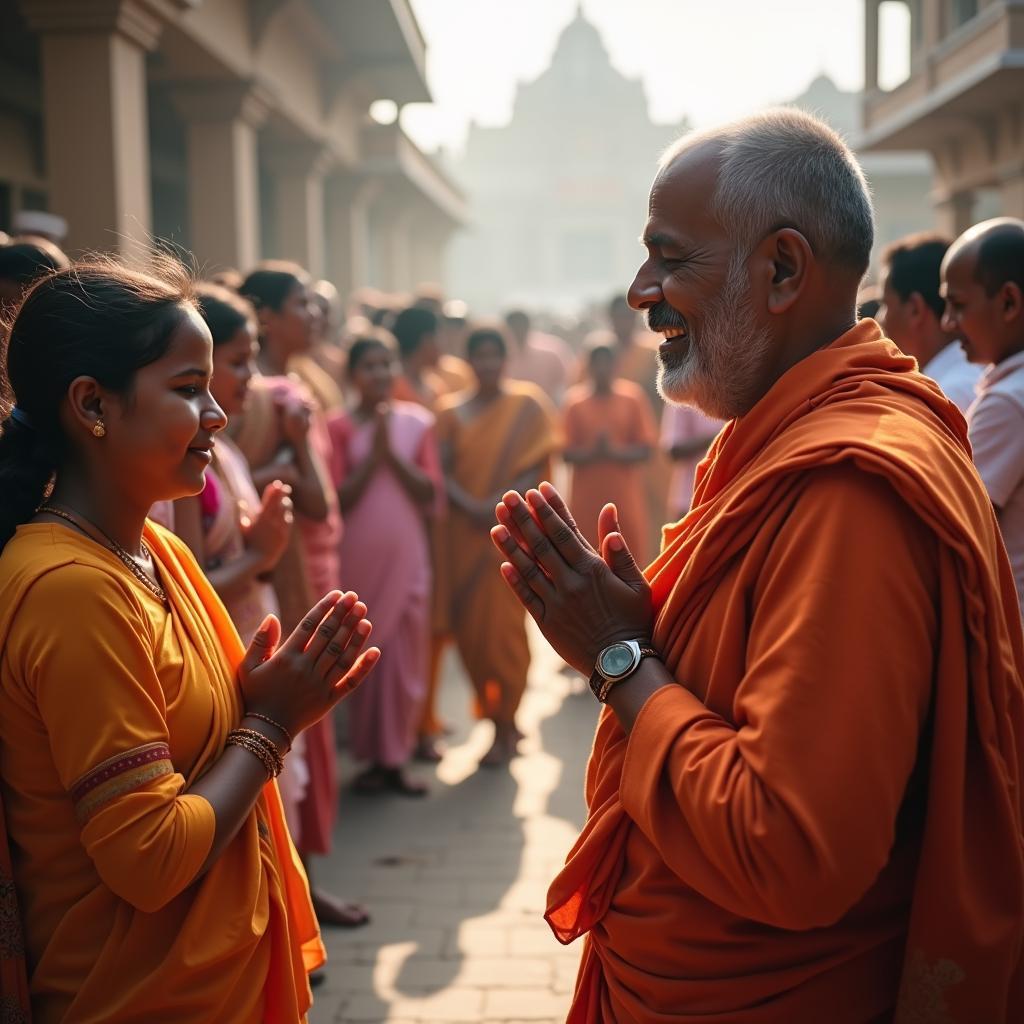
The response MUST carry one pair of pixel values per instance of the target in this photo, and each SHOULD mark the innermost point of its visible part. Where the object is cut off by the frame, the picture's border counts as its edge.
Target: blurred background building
(962, 101)
(238, 129)
(557, 196)
(901, 181)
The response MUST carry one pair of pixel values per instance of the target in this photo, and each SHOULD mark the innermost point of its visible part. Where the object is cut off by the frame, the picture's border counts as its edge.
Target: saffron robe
(625, 418)
(489, 450)
(822, 820)
(106, 717)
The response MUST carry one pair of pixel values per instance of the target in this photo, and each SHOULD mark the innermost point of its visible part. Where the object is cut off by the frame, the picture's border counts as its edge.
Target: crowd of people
(293, 445)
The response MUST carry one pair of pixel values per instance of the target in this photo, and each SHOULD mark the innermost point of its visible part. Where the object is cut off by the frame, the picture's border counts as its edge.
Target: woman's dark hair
(26, 260)
(225, 312)
(272, 282)
(488, 335)
(365, 342)
(96, 319)
(411, 326)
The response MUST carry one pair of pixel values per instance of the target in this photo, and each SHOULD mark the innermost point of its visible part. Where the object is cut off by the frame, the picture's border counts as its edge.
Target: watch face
(616, 659)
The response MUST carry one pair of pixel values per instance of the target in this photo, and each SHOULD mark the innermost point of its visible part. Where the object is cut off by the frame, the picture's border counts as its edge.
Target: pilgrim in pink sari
(302, 577)
(229, 494)
(386, 553)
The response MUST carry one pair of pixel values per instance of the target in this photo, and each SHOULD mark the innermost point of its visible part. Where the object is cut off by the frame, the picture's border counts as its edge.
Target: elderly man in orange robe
(805, 792)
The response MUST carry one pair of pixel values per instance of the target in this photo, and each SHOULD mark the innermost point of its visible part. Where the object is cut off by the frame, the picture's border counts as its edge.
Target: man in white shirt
(911, 314)
(983, 286)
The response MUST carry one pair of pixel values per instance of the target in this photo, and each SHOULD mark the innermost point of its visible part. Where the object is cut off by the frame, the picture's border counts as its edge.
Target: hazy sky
(706, 59)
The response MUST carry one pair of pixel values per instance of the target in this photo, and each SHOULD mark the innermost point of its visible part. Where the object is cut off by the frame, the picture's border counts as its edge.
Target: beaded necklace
(132, 565)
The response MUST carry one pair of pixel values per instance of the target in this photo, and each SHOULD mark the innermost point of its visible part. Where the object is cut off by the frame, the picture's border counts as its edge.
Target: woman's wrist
(271, 728)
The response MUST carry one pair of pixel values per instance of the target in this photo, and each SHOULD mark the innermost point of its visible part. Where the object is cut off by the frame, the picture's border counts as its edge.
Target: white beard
(719, 371)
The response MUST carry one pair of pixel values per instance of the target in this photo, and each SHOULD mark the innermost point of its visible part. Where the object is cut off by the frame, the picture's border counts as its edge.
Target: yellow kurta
(489, 450)
(110, 708)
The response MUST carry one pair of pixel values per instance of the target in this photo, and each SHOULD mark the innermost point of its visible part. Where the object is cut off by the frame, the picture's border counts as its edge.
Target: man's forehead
(681, 194)
(958, 263)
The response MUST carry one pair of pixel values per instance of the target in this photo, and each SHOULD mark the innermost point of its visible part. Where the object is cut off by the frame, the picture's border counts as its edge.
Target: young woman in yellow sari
(498, 432)
(144, 835)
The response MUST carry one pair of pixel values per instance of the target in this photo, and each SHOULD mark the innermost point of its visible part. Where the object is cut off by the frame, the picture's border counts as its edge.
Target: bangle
(277, 725)
(260, 747)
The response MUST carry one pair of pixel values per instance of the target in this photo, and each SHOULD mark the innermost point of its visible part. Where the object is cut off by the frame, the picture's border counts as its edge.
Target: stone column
(391, 243)
(222, 123)
(430, 233)
(349, 198)
(1011, 193)
(932, 23)
(871, 45)
(954, 213)
(299, 211)
(95, 115)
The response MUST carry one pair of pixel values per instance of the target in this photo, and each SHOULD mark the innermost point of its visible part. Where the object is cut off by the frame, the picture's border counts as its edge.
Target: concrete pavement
(456, 882)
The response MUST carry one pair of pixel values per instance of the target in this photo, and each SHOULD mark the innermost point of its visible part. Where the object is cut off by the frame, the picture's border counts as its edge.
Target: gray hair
(785, 168)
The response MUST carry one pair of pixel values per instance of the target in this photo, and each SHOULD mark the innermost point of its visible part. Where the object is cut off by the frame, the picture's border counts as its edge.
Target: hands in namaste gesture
(582, 599)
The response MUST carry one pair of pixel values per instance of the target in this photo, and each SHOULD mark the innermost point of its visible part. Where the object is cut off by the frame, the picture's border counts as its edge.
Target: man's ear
(1011, 302)
(916, 308)
(788, 256)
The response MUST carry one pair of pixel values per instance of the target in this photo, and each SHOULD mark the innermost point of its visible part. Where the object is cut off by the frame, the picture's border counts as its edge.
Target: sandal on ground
(399, 782)
(332, 912)
(428, 750)
(372, 781)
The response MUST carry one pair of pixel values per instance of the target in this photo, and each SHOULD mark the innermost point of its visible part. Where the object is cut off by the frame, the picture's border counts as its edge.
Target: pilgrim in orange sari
(486, 452)
(106, 719)
(638, 363)
(823, 820)
(624, 418)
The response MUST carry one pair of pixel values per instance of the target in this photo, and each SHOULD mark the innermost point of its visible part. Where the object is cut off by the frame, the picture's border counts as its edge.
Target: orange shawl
(859, 402)
(247, 923)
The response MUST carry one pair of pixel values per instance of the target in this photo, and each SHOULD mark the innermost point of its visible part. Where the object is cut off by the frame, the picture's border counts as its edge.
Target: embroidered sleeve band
(120, 774)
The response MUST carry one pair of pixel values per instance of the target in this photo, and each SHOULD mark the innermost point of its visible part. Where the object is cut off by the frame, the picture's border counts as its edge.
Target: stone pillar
(349, 198)
(222, 124)
(95, 115)
(955, 213)
(1011, 193)
(393, 243)
(871, 45)
(932, 24)
(430, 233)
(299, 210)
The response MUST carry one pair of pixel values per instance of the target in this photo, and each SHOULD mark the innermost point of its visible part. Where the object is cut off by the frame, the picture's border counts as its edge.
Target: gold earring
(99, 430)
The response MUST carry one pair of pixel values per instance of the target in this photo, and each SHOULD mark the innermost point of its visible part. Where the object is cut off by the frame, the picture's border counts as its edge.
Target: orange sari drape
(765, 898)
(112, 715)
(513, 434)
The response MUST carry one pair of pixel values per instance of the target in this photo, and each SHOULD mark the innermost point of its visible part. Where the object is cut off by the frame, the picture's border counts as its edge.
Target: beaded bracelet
(259, 746)
(277, 725)
(268, 743)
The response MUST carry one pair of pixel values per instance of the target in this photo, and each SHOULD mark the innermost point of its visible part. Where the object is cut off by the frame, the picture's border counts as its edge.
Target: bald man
(805, 789)
(983, 287)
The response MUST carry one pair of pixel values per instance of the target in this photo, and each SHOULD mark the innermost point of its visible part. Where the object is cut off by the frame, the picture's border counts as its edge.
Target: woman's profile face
(159, 436)
(234, 362)
(488, 363)
(374, 374)
(292, 326)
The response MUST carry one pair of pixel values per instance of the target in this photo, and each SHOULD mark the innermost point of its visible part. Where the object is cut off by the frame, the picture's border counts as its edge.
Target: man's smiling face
(695, 292)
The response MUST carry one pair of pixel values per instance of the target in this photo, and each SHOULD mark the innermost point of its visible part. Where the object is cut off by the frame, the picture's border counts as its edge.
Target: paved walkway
(456, 883)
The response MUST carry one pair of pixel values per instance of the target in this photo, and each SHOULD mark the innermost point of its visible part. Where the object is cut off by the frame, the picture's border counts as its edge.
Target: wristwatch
(617, 662)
